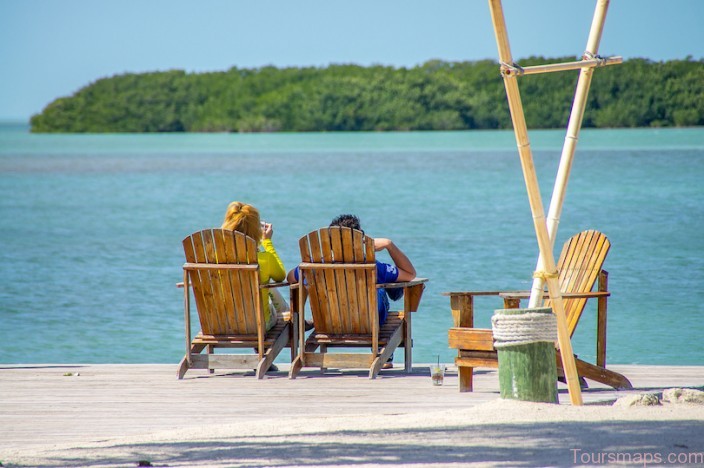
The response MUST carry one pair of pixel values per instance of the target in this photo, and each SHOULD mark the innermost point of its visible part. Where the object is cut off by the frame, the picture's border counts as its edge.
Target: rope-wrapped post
(525, 342)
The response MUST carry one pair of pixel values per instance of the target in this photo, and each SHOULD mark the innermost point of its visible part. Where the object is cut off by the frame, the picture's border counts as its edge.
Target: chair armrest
(403, 284)
(472, 293)
(273, 285)
(462, 305)
(412, 293)
(517, 294)
(261, 286)
(586, 295)
(526, 295)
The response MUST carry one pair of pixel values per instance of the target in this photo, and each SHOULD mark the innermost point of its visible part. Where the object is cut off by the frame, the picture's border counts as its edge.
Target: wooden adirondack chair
(580, 267)
(221, 269)
(338, 273)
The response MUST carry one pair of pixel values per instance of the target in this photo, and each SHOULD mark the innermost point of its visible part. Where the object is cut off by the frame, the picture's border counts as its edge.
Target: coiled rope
(520, 329)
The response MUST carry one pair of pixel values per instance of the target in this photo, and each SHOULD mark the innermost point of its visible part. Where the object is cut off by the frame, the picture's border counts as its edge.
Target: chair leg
(411, 302)
(211, 350)
(182, 368)
(296, 367)
(407, 344)
(323, 350)
(386, 352)
(603, 375)
(376, 366)
(466, 375)
(183, 365)
(583, 384)
(271, 353)
(587, 370)
(293, 336)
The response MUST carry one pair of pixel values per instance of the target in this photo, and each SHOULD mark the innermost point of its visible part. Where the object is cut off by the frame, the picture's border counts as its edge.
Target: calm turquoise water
(92, 225)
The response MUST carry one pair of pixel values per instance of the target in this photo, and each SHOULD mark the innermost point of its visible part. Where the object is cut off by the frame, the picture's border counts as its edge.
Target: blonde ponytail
(243, 218)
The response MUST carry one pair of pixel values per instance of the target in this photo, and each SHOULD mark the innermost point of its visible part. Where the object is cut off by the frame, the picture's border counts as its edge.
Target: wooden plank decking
(41, 405)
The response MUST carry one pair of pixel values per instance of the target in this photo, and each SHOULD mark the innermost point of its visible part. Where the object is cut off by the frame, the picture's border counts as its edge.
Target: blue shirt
(385, 273)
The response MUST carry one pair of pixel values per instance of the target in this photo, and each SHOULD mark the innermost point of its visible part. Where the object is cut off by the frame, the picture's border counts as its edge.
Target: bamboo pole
(555, 67)
(536, 205)
(567, 157)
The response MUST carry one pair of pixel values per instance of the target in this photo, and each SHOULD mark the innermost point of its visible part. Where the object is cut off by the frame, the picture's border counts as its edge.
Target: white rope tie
(507, 68)
(601, 61)
(531, 327)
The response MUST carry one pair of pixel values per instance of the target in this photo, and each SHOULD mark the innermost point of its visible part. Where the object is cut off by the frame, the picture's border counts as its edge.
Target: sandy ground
(496, 433)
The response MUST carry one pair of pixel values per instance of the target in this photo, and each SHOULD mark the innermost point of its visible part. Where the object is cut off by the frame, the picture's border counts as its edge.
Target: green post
(524, 340)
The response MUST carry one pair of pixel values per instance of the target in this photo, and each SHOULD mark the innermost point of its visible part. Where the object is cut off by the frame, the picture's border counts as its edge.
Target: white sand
(497, 433)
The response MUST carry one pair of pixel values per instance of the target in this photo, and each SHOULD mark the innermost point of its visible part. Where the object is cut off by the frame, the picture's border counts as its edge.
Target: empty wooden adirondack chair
(221, 269)
(580, 267)
(338, 273)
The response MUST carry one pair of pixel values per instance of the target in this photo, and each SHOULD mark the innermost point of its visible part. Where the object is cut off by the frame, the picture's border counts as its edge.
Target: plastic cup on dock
(437, 373)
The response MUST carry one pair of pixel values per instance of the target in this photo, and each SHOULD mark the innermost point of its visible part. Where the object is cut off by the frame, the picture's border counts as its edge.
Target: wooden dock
(55, 405)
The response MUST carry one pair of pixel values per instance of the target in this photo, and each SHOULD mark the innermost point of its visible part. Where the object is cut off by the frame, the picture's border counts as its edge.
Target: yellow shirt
(271, 268)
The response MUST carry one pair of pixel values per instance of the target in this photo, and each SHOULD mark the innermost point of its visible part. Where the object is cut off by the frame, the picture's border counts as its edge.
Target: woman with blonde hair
(244, 218)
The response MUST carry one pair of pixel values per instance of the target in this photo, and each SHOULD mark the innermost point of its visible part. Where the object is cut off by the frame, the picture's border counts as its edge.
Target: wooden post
(187, 315)
(602, 285)
(261, 322)
(411, 301)
(532, 187)
(463, 316)
(301, 320)
(462, 307)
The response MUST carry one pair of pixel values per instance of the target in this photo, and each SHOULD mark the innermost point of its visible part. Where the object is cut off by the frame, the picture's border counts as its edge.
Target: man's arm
(406, 271)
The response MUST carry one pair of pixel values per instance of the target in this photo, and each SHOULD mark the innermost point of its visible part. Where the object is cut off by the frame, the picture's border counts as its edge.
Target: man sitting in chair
(401, 270)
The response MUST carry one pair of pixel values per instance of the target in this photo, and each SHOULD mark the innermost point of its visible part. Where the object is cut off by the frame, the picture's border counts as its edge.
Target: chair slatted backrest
(579, 265)
(227, 299)
(339, 269)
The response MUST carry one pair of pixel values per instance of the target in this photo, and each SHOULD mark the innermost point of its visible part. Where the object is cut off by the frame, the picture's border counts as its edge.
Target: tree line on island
(437, 95)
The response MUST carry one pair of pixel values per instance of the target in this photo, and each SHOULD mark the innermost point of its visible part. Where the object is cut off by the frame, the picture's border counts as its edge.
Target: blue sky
(52, 48)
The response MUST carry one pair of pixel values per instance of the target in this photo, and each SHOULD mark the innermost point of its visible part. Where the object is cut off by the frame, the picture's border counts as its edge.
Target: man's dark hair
(347, 220)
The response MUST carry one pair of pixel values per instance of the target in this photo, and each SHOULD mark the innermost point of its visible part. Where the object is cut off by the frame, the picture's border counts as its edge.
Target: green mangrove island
(437, 95)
